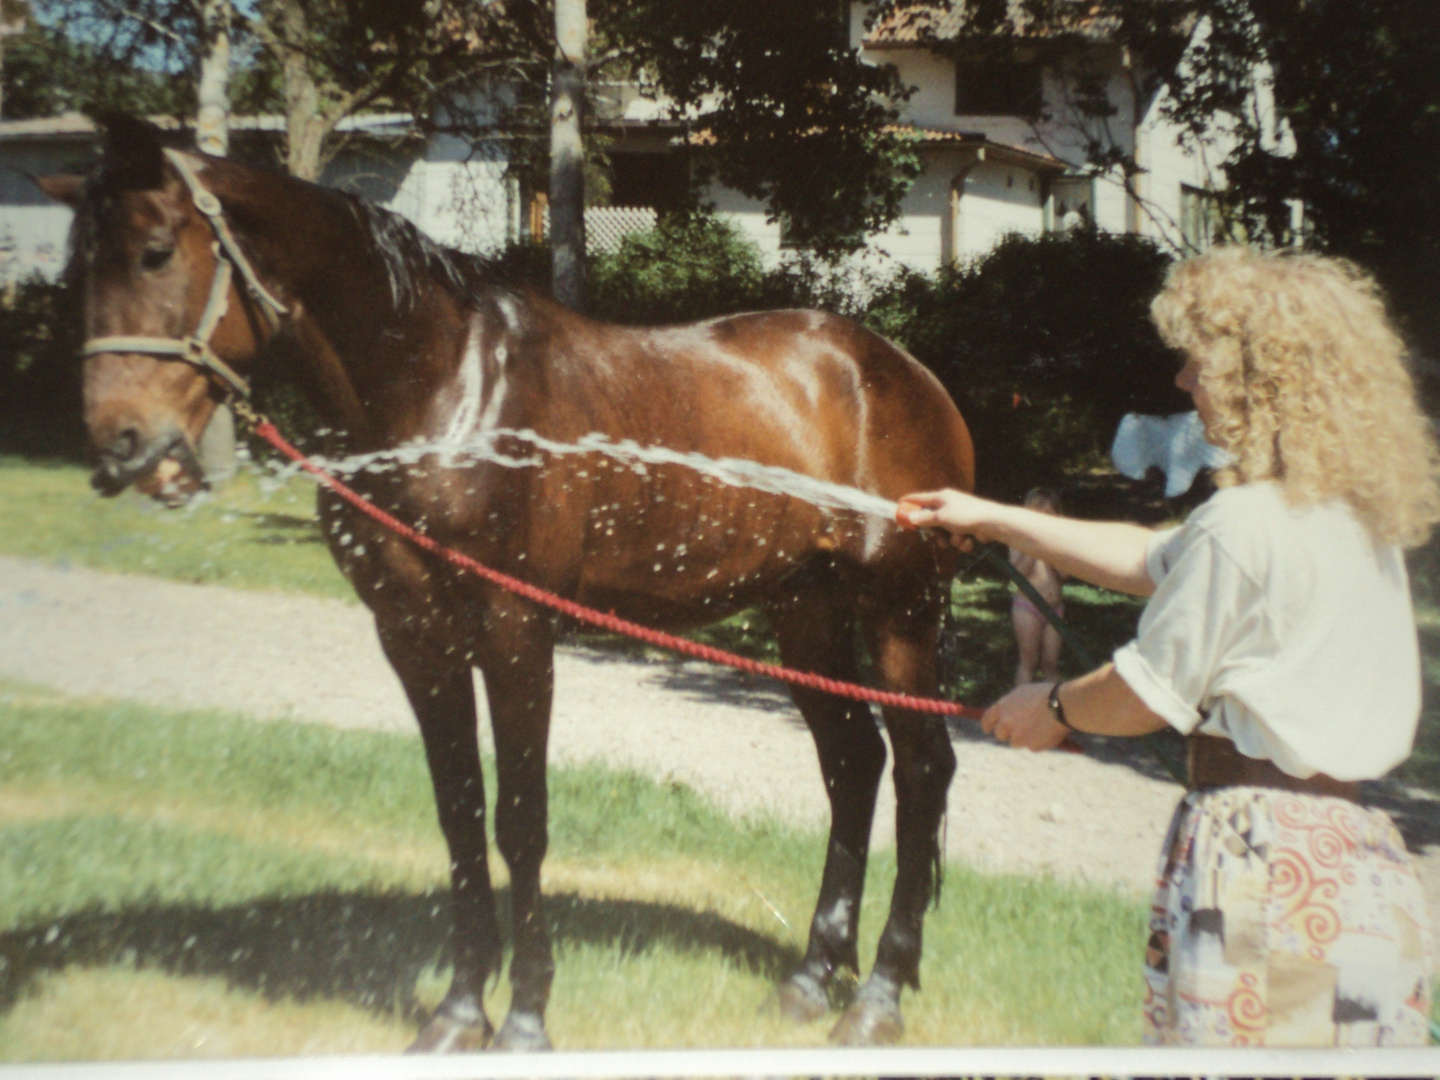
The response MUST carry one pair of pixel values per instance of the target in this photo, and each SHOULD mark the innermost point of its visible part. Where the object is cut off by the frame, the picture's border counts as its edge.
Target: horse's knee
(925, 760)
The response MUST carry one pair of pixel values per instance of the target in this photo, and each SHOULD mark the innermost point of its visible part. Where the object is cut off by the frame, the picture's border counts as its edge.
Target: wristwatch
(1057, 710)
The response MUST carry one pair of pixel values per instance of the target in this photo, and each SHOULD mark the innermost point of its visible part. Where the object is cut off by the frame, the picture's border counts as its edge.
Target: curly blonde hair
(1309, 384)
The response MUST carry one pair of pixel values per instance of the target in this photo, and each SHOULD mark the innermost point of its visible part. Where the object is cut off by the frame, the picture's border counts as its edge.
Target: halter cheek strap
(195, 349)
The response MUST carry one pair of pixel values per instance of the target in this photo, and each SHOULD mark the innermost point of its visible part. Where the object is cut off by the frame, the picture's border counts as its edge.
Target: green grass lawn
(176, 884)
(255, 533)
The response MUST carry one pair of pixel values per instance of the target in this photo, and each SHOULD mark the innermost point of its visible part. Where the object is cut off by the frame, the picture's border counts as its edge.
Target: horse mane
(410, 258)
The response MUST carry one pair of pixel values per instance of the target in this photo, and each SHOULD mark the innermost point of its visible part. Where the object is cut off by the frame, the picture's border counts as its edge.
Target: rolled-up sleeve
(1187, 627)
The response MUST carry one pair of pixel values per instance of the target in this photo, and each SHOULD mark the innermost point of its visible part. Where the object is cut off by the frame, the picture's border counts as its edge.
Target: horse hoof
(522, 1031)
(801, 999)
(446, 1035)
(873, 1018)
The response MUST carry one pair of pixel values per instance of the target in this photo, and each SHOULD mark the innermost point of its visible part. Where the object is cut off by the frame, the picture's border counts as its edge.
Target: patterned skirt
(1286, 920)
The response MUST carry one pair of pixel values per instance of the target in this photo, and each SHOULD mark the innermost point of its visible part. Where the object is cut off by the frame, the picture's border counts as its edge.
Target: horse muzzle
(164, 467)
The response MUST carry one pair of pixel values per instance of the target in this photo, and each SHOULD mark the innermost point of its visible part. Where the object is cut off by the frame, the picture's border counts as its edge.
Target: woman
(1279, 637)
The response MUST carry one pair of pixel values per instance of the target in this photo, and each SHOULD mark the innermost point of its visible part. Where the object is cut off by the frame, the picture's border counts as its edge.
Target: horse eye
(156, 257)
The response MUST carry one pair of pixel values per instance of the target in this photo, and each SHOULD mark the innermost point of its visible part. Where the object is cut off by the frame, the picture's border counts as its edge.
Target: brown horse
(393, 340)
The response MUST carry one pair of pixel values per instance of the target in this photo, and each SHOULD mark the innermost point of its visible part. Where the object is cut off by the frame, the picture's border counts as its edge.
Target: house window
(658, 180)
(1200, 224)
(997, 88)
(1072, 203)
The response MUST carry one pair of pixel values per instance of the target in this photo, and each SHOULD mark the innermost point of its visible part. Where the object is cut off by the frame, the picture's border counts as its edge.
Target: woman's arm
(1106, 553)
(1100, 703)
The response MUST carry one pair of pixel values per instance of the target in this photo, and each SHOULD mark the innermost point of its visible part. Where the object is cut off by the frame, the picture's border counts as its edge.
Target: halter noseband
(195, 349)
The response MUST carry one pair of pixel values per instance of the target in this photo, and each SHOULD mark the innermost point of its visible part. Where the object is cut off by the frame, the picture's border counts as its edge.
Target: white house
(1004, 151)
(1004, 148)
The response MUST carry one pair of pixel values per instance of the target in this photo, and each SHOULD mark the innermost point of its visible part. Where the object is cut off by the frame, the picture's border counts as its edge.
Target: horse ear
(62, 188)
(132, 155)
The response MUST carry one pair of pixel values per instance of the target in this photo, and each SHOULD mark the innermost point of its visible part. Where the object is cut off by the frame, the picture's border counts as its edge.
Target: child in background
(1037, 641)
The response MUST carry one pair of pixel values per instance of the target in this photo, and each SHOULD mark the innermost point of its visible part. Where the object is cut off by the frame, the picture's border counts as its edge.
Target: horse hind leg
(816, 633)
(902, 638)
(517, 659)
(442, 693)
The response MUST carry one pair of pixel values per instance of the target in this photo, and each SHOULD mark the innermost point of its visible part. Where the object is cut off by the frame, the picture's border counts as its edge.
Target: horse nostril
(124, 446)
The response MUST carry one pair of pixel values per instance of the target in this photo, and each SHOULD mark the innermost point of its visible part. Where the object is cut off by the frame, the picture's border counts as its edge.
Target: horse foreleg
(519, 668)
(442, 694)
(817, 634)
(904, 650)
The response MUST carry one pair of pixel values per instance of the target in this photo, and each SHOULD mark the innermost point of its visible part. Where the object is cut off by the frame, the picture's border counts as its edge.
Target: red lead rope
(614, 623)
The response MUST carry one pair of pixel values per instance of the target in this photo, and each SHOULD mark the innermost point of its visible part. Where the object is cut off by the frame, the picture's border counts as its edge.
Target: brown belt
(1214, 762)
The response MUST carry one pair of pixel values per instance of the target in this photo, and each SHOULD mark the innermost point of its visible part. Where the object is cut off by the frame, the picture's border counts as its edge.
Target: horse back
(804, 390)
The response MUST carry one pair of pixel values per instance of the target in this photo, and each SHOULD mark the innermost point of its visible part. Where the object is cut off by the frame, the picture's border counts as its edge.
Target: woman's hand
(963, 516)
(1106, 553)
(1022, 719)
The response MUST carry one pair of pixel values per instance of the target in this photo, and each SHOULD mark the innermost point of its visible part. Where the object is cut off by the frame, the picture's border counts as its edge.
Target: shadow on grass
(289, 528)
(366, 949)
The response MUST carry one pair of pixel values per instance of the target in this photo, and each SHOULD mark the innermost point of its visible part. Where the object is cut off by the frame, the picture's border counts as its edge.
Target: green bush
(687, 267)
(40, 411)
(1044, 343)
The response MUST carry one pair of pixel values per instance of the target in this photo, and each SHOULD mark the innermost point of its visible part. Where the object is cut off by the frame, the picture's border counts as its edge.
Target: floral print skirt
(1286, 920)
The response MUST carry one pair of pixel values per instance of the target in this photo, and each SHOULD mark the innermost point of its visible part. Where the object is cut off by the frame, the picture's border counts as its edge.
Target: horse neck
(363, 346)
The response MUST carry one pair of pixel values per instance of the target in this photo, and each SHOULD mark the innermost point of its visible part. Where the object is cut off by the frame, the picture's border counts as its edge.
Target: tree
(567, 153)
(777, 105)
(212, 114)
(1353, 138)
(316, 61)
(62, 61)
(337, 58)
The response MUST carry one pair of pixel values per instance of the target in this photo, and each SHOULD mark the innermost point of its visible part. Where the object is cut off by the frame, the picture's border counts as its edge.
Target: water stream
(736, 472)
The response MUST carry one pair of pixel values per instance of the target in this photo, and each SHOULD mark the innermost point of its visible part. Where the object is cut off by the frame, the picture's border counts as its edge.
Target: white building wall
(456, 196)
(470, 203)
(1062, 133)
(997, 199)
(920, 236)
(749, 216)
(1171, 163)
(33, 229)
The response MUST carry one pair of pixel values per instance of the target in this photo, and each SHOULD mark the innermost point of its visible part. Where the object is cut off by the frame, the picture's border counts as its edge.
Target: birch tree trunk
(567, 155)
(212, 122)
(305, 124)
(212, 136)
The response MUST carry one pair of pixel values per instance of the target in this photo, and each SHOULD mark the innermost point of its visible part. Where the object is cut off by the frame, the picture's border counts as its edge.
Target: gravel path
(1098, 816)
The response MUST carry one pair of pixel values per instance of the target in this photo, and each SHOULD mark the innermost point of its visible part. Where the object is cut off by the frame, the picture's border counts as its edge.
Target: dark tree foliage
(1358, 82)
(39, 373)
(48, 72)
(771, 99)
(782, 108)
(1044, 343)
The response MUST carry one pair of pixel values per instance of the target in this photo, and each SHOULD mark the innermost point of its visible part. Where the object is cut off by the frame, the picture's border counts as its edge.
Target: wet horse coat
(397, 341)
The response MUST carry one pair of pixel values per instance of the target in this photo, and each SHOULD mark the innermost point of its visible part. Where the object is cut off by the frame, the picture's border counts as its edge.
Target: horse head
(166, 328)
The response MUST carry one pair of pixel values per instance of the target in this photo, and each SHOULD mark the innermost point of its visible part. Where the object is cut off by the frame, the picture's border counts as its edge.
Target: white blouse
(1288, 630)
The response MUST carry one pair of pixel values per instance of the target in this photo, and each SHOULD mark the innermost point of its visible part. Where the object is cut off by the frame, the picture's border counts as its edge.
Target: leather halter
(195, 349)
